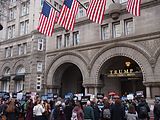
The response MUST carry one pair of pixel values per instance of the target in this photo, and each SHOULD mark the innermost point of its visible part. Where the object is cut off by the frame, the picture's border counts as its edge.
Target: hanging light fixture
(128, 63)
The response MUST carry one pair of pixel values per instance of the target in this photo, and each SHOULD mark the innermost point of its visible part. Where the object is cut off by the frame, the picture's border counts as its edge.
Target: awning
(19, 77)
(5, 78)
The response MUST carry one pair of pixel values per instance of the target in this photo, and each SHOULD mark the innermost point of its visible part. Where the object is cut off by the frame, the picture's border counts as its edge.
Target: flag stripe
(133, 7)
(47, 20)
(96, 9)
(68, 15)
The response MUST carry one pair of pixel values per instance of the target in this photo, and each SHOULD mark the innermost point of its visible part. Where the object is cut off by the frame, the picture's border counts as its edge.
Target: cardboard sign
(84, 99)
(100, 95)
(14, 95)
(139, 93)
(19, 96)
(44, 97)
(79, 95)
(6, 96)
(130, 97)
(55, 96)
(28, 94)
(50, 95)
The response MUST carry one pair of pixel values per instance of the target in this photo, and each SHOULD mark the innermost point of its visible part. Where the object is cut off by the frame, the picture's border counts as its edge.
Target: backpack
(106, 113)
(74, 116)
(143, 113)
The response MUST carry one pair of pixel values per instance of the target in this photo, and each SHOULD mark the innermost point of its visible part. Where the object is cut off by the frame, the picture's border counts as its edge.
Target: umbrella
(111, 93)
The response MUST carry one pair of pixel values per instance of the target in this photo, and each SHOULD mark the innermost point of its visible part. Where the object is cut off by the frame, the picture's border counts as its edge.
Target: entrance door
(122, 75)
(71, 80)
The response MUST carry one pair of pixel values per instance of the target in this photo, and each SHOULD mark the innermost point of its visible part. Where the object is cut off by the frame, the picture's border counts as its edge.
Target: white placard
(19, 96)
(130, 97)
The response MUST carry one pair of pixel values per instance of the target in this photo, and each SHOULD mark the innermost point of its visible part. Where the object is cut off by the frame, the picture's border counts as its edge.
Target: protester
(38, 110)
(131, 114)
(143, 110)
(11, 110)
(117, 110)
(156, 110)
(88, 111)
(77, 112)
(29, 110)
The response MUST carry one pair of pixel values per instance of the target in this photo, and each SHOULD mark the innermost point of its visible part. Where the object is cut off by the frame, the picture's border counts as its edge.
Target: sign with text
(100, 95)
(84, 99)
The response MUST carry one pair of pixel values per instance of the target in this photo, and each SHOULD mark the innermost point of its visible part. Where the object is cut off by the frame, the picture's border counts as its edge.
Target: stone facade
(92, 52)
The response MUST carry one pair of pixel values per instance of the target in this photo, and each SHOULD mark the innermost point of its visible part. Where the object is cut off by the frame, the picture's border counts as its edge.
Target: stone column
(95, 90)
(86, 90)
(148, 92)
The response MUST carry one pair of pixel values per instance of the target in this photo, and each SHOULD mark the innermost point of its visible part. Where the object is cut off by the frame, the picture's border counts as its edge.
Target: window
(25, 8)
(6, 52)
(116, 30)
(24, 48)
(80, 12)
(40, 44)
(55, 4)
(39, 66)
(19, 49)
(19, 85)
(66, 40)
(24, 27)
(5, 86)
(11, 31)
(59, 42)
(123, 1)
(12, 13)
(38, 86)
(105, 32)
(128, 26)
(12, 1)
(7, 72)
(76, 38)
(86, 4)
(11, 51)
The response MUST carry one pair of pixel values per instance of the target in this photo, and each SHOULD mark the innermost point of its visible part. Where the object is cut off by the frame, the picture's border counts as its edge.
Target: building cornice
(16, 39)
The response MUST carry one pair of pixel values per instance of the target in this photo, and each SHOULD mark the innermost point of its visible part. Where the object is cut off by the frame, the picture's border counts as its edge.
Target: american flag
(133, 7)
(67, 16)
(96, 9)
(47, 19)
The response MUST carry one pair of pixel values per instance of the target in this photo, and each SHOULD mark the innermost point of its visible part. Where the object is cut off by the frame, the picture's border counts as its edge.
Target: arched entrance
(121, 75)
(69, 79)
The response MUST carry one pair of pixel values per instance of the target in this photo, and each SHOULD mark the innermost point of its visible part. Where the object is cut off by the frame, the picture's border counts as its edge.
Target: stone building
(120, 55)
(22, 50)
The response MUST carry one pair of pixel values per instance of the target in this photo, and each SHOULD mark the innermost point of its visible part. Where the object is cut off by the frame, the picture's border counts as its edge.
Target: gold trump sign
(121, 73)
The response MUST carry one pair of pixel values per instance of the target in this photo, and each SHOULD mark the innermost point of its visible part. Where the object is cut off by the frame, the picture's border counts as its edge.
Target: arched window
(19, 78)
(20, 70)
(6, 71)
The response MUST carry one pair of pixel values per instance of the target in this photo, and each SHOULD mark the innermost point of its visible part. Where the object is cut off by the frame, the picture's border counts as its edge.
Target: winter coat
(117, 112)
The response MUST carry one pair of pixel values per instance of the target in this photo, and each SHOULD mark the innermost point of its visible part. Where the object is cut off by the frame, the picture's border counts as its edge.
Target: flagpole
(52, 6)
(82, 5)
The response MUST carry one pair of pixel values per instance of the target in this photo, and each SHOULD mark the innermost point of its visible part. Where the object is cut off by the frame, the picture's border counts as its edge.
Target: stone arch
(5, 65)
(68, 57)
(157, 65)
(18, 63)
(140, 56)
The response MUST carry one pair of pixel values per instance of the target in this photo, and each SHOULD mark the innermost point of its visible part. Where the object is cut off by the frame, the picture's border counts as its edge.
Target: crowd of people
(70, 109)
